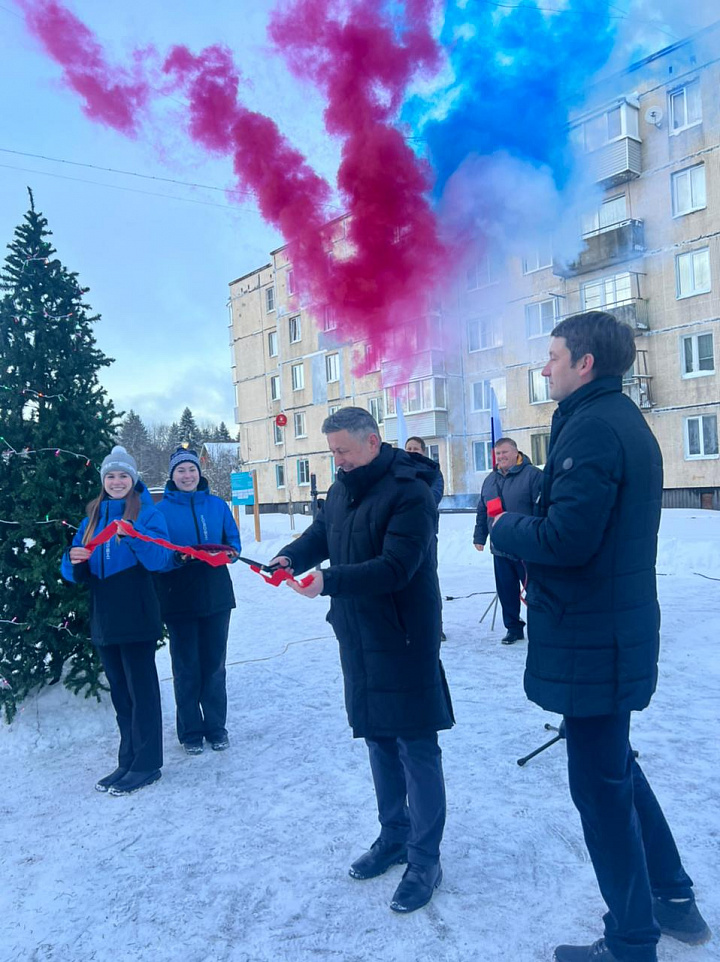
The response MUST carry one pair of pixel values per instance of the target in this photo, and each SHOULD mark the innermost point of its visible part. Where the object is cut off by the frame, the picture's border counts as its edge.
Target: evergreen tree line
(152, 445)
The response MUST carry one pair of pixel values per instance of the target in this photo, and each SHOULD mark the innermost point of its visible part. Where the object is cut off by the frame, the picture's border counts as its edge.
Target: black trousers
(135, 693)
(509, 575)
(629, 841)
(410, 792)
(198, 648)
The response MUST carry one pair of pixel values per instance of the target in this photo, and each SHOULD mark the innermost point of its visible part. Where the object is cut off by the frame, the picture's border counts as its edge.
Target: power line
(132, 190)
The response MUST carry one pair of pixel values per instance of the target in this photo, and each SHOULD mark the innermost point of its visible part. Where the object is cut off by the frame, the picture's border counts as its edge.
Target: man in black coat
(377, 527)
(516, 481)
(593, 631)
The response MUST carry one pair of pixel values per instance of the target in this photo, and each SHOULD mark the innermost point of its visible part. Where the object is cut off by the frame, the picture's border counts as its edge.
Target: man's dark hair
(355, 420)
(610, 342)
(419, 441)
(506, 441)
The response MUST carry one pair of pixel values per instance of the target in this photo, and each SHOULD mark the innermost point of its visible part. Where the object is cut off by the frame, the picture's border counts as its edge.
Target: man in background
(516, 481)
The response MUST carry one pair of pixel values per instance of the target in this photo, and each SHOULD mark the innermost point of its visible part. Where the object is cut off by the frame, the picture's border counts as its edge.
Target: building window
(611, 213)
(272, 343)
(329, 318)
(595, 132)
(298, 377)
(688, 190)
(425, 395)
(539, 444)
(701, 437)
(539, 387)
(295, 329)
(277, 433)
(291, 281)
(280, 475)
(303, 471)
(332, 368)
(538, 258)
(269, 299)
(481, 397)
(377, 408)
(482, 455)
(692, 271)
(482, 272)
(433, 452)
(698, 356)
(611, 291)
(540, 317)
(275, 387)
(482, 334)
(685, 107)
(299, 421)
(332, 408)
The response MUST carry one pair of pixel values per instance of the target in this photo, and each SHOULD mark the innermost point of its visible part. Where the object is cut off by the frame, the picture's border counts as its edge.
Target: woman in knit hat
(125, 622)
(196, 600)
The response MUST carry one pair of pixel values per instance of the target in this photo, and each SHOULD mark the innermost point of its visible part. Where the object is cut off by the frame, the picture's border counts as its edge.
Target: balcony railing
(603, 248)
(637, 387)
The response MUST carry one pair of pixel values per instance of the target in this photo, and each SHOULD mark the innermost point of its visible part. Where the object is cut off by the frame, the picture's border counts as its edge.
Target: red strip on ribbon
(116, 527)
(280, 575)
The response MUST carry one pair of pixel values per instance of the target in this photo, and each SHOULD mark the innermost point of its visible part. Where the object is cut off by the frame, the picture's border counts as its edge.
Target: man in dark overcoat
(516, 481)
(593, 631)
(377, 528)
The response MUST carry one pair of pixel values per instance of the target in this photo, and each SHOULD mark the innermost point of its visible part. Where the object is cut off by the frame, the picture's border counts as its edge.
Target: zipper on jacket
(195, 521)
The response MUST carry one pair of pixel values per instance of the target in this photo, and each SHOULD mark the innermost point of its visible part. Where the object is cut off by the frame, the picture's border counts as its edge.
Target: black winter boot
(417, 887)
(104, 783)
(378, 860)
(133, 782)
(681, 920)
(597, 952)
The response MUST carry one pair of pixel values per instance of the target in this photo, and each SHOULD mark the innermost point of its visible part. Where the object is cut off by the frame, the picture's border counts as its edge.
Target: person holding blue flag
(196, 600)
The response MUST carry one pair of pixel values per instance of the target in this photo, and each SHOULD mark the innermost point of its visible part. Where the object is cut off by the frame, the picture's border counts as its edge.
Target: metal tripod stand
(560, 734)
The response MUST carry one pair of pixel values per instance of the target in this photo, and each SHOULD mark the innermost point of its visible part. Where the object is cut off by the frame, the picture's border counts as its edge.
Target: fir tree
(189, 432)
(134, 437)
(222, 433)
(57, 425)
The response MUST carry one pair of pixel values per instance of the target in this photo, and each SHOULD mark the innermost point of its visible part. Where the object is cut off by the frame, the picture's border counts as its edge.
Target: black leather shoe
(378, 860)
(220, 744)
(417, 887)
(193, 748)
(512, 636)
(104, 783)
(597, 952)
(133, 782)
(681, 921)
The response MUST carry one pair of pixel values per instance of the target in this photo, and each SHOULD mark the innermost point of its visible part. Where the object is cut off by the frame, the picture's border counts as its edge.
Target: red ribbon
(280, 575)
(221, 558)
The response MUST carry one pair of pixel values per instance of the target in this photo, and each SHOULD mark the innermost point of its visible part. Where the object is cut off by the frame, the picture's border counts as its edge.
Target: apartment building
(650, 140)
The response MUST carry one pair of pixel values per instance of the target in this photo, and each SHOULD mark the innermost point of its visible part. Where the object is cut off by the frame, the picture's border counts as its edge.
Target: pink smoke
(70, 43)
(363, 64)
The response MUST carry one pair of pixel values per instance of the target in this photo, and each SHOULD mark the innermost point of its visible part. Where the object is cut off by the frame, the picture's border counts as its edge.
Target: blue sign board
(241, 484)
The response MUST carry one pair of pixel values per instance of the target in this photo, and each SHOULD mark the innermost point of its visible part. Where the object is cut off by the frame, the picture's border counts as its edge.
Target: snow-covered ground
(243, 856)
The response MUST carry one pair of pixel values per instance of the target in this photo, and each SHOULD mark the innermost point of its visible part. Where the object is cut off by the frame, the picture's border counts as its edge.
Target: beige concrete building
(650, 254)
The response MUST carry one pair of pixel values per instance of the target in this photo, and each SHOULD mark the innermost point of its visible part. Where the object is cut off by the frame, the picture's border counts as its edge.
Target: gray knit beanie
(119, 460)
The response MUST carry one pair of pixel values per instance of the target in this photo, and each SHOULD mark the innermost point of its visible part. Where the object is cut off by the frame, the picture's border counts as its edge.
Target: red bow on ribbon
(115, 527)
(280, 575)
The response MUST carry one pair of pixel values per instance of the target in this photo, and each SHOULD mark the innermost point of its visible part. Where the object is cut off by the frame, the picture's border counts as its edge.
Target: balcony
(616, 163)
(603, 248)
(632, 312)
(422, 364)
(423, 424)
(637, 388)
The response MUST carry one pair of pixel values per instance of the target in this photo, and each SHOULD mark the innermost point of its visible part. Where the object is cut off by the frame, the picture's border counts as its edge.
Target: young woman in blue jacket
(125, 622)
(196, 600)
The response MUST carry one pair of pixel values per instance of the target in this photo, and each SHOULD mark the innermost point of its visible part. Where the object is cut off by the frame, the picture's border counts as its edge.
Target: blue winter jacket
(124, 606)
(195, 589)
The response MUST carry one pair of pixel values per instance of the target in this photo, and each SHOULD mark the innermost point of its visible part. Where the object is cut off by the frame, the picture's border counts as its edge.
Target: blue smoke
(518, 70)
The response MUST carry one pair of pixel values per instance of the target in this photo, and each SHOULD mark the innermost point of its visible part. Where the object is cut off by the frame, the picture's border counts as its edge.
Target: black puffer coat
(518, 490)
(377, 527)
(593, 616)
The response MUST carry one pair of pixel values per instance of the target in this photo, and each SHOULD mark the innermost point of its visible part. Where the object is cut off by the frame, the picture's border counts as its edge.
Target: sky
(157, 263)
(158, 257)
